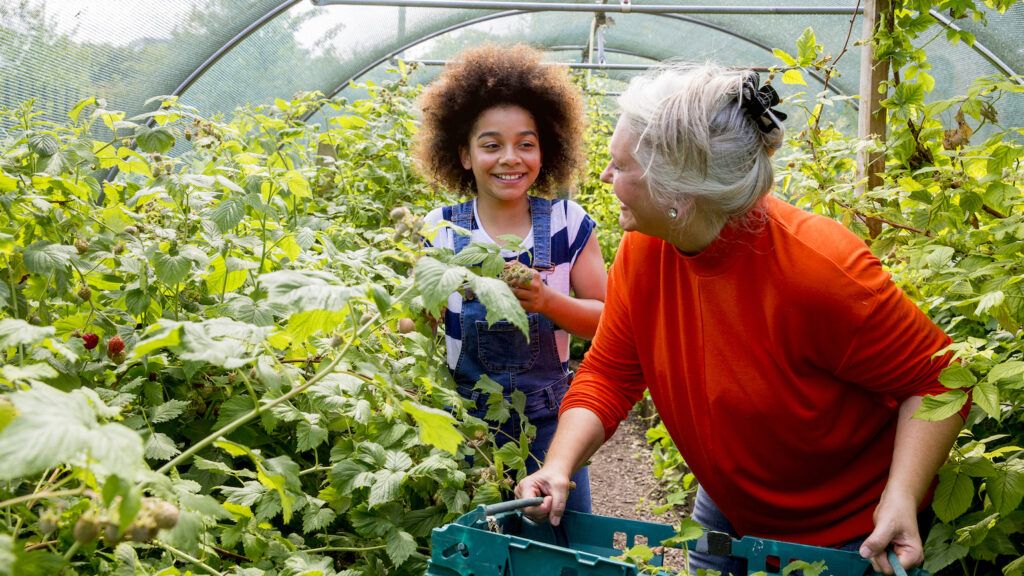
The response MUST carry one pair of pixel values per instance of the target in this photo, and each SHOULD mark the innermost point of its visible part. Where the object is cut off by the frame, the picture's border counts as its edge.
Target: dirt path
(622, 481)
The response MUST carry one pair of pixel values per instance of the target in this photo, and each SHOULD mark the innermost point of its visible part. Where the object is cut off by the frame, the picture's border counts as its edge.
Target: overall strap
(462, 216)
(540, 214)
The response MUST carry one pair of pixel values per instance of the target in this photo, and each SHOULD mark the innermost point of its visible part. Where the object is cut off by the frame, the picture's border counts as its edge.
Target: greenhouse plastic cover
(220, 54)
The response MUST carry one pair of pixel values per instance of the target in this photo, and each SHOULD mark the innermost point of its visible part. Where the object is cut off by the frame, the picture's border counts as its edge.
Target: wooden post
(872, 117)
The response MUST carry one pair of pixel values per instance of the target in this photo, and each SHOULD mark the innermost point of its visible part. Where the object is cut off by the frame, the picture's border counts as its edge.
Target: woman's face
(503, 152)
(637, 212)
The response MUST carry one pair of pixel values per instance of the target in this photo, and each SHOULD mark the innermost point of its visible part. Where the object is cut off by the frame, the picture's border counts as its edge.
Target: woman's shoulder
(825, 250)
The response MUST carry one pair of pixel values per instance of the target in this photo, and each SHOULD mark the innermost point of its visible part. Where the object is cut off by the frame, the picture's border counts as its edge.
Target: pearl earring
(673, 213)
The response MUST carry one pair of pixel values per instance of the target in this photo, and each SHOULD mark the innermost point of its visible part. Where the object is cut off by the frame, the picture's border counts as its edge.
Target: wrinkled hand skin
(896, 528)
(555, 489)
(534, 296)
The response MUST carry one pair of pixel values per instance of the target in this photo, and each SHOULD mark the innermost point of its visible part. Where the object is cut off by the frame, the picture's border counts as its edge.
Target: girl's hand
(535, 296)
(895, 527)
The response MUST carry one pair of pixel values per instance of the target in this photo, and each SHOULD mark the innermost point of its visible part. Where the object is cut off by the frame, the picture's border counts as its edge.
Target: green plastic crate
(499, 541)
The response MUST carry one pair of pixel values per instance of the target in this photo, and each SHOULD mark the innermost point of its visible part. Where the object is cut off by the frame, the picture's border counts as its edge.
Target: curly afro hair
(488, 76)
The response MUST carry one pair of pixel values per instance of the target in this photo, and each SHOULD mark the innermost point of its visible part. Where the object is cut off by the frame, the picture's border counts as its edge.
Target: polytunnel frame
(189, 80)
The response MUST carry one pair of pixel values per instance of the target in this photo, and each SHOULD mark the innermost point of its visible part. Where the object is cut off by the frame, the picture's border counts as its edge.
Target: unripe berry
(515, 273)
(86, 530)
(166, 515)
(85, 294)
(81, 245)
(399, 214)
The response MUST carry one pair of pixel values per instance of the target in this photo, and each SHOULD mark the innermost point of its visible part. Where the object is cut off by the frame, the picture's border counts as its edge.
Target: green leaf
(309, 436)
(1006, 489)
(43, 144)
(784, 56)
(387, 485)
(436, 427)
(1003, 156)
(171, 269)
(81, 105)
(400, 545)
(1015, 568)
(935, 408)
(953, 495)
(154, 140)
(221, 279)
(688, 530)
(167, 411)
(156, 337)
(989, 301)
(986, 396)
(297, 184)
(436, 281)
(957, 376)
(161, 447)
(942, 551)
(807, 47)
(500, 302)
(45, 258)
(793, 77)
(227, 215)
(316, 519)
(28, 374)
(14, 332)
(1012, 371)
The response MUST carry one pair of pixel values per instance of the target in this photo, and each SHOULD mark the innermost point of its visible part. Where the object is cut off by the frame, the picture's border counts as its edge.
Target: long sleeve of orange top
(777, 358)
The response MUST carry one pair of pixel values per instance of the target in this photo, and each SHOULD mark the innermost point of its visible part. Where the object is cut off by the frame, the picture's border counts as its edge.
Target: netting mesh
(220, 54)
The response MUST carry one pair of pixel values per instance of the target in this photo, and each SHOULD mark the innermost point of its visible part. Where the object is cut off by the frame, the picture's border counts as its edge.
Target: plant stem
(344, 549)
(71, 551)
(238, 422)
(188, 558)
(40, 496)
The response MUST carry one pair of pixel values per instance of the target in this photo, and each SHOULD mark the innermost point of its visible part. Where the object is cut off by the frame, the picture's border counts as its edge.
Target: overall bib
(502, 353)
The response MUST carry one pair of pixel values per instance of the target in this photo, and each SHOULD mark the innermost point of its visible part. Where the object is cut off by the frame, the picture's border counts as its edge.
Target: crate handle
(513, 505)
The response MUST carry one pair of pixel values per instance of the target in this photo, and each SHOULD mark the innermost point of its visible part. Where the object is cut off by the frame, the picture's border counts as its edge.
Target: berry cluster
(515, 274)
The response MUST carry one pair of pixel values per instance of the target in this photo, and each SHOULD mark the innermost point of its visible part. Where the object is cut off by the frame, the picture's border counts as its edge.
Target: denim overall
(501, 352)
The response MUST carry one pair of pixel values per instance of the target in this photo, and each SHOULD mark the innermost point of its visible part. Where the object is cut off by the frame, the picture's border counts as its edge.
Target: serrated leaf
(156, 140)
(297, 184)
(15, 332)
(986, 396)
(397, 461)
(167, 411)
(436, 427)
(171, 269)
(989, 301)
(957, 376)
(43, 144)
(228, 214)
(935, 408)
(436, 280)
(45, 258)
(953, 495)
(1006, 489)
(160, 446)
(220, 280)
(247, 495)
(387, 485)
(793, 77)
(806, 46)
(400, 545)
(315, 519)
(784, 56)
(500, 302)
(156, 337)
(28, 374)
(309, 436)
(1005, 372)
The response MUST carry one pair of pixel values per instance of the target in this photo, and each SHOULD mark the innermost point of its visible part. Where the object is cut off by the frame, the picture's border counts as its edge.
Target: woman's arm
(920, 449)
(577, 315)
(580, 433)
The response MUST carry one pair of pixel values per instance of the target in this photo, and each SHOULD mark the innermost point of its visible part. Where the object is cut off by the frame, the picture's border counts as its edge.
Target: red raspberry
(115, 346)
(91, 340)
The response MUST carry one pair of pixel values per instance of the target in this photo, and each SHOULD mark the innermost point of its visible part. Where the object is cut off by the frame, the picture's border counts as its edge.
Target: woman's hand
(895, 527)
(534, 296)
(553, 486)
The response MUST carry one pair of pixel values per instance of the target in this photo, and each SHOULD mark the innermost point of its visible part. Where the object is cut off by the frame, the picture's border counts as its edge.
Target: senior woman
(783, 360)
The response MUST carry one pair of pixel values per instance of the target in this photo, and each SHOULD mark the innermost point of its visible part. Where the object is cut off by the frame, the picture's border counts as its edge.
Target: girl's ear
(467, 161)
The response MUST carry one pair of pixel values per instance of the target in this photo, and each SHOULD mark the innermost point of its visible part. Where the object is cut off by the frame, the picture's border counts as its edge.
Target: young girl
(499, 124)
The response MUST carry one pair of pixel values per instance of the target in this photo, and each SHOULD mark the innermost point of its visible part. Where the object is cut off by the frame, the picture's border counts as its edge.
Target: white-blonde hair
(701, 151)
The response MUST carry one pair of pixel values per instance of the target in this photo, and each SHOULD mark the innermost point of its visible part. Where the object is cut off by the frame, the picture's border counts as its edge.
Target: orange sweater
(777, 360)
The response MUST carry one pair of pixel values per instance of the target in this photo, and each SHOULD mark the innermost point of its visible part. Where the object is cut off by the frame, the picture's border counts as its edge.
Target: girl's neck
(499, 218)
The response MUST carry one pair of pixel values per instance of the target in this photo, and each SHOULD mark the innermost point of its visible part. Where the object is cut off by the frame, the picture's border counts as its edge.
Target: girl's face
(503, 152)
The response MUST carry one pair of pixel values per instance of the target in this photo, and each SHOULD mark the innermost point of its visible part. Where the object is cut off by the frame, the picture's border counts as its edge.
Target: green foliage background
(256, 280)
